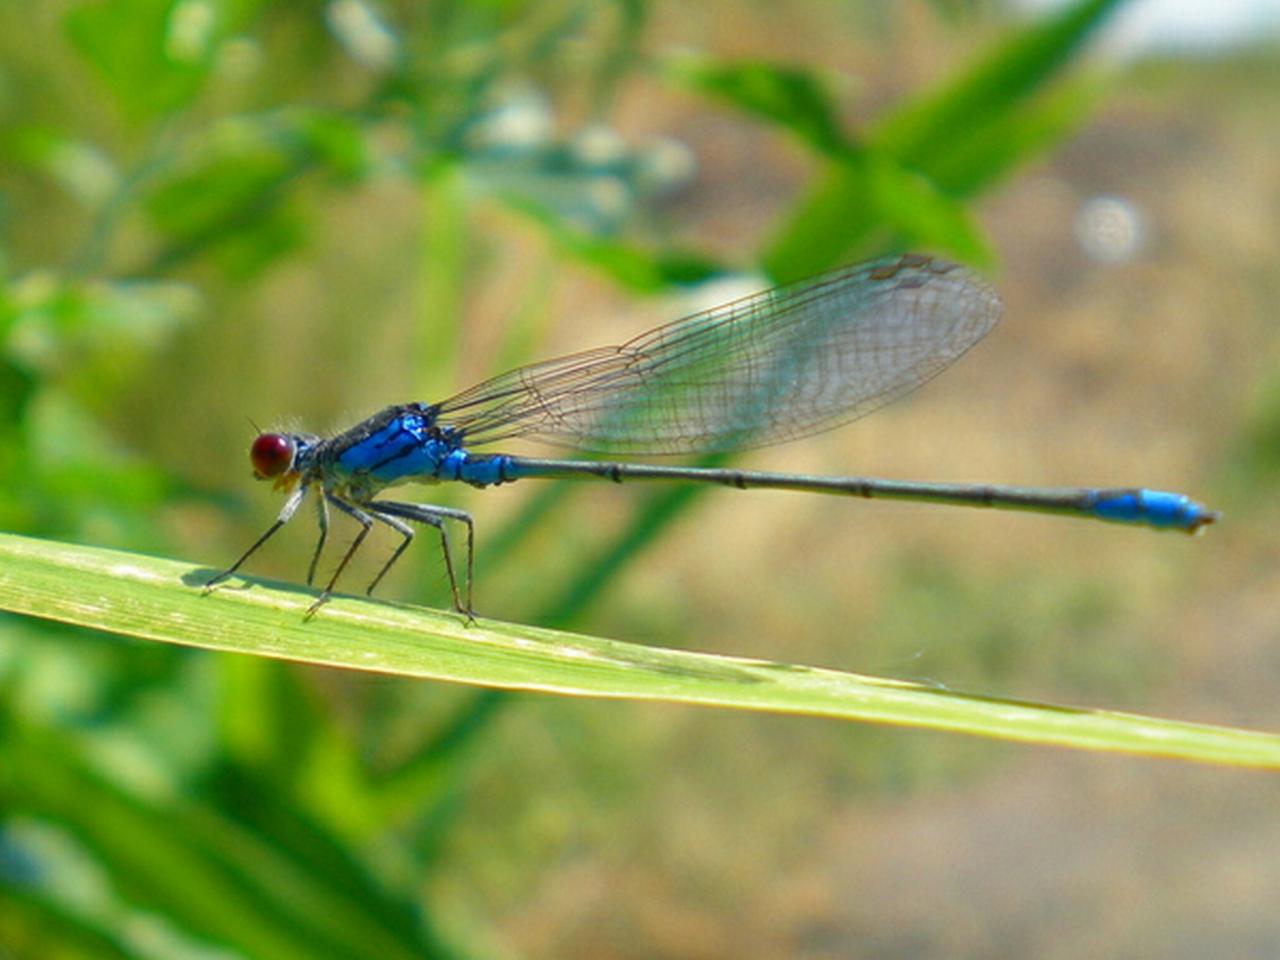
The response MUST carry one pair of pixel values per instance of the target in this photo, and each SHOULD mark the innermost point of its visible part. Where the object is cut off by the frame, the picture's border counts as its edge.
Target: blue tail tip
(1156, 508)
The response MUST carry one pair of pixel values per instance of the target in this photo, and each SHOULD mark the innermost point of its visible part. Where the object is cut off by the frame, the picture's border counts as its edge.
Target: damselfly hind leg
(407, 533)
(432, 516)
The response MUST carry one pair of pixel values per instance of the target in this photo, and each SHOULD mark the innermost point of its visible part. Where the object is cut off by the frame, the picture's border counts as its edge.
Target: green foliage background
(195, 199)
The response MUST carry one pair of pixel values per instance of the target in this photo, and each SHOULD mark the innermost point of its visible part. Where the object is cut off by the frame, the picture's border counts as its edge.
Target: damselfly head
(273, 456)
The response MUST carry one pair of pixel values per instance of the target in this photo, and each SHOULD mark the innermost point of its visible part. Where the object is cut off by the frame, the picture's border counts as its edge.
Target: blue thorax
(401, 444)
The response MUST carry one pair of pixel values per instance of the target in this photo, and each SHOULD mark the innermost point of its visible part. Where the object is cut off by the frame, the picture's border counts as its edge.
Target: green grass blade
(32, 926)
(214, 877)
(794, 98)
(1009, 75)
(1015, 137)
(963, 121)
(158, 599)
(871, 197)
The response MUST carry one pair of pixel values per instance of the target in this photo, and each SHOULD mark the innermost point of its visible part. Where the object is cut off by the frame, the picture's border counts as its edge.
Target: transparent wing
(774, 366)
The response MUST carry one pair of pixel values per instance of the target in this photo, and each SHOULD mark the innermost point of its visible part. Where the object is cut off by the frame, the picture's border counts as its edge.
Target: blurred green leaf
(93, 331)
(338, 142)
(1017, 69)
(872, 199)
(267, 719)
(234, 200)
(213, 877)
(245, 252)
(33, 927)
(791, 97)
(17, 387)
(235, 208)
(955, 140)
(153, 55)
(67, 350)
(76, 478)
(82, 169)
(1256, 459)
(159, 600)
(220, 189)
(1014, 137)
(279, 821)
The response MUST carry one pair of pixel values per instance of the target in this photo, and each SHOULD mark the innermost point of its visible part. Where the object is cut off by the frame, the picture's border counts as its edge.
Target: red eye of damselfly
(271, 455)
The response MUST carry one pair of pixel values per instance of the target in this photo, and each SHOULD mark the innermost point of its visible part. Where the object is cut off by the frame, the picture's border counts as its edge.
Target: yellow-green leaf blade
(160, 600)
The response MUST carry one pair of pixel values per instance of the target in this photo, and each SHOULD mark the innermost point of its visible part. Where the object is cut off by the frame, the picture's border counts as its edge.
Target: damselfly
(775, 366)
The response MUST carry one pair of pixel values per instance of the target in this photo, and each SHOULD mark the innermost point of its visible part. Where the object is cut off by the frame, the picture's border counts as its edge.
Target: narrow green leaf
(871, 200)
(153, 55)
(158, 861)
(269, 722)
(160, 600)
(205, 872)
(951, 143)
(197, 200)
(1012, 72)
(790, 97)
(32, 925)
(1014, 137)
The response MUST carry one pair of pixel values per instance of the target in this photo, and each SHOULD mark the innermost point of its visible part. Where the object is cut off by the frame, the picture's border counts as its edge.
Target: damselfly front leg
(286, 513)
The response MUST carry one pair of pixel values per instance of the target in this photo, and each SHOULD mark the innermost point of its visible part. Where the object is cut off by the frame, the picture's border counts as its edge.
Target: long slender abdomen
(1152, 508)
